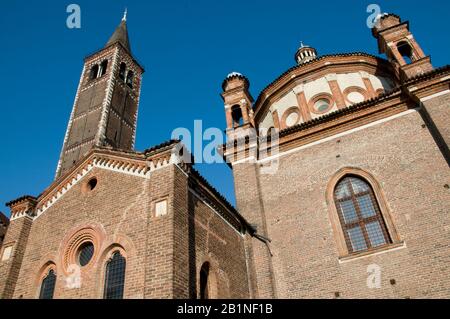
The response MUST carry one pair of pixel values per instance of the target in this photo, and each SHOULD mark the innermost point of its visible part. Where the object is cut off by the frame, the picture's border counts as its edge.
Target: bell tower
(402, 50)
(238, 105)
(106, 104)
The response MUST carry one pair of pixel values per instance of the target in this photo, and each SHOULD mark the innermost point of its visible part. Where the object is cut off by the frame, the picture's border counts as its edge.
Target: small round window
(322, 105)
(89, 186)
(92, 184)
(85, 253)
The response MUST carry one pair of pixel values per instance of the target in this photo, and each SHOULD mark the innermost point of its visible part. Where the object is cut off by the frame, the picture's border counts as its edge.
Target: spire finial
(125, 15)
(301, 44)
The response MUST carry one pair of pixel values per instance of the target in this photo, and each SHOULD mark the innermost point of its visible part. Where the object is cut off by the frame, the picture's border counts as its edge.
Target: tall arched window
(48, 285)
(236, 114)
(115, 277)
(405, 51)
(123, 68)
(204, 284)
(103, 67)
(130, 78)
(360, 215)
(94, 72)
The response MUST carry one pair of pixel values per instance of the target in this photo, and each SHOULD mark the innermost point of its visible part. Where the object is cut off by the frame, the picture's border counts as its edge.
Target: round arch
(333, 213)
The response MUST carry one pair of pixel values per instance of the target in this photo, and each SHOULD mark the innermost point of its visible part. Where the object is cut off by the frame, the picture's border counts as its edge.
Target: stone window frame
(355, 89)
(287, 113)
(385, 211)
(74, 240)
(321, 96)
(153, 207)
(103, 263)
(4, 247)
(42, 274)
(86, 188)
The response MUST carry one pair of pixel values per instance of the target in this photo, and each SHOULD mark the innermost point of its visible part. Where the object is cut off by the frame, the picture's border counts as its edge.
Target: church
(341, 174)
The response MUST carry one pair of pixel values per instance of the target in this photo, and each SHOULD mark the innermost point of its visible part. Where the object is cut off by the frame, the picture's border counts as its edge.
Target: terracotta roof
(429, 75)
(385, 15)
(21, 199)
(319, 58)
(160, 146)
(235, 75)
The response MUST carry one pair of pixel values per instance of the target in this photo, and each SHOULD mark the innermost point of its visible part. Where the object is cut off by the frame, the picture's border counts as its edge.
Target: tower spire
(121, 34)
(125, 15)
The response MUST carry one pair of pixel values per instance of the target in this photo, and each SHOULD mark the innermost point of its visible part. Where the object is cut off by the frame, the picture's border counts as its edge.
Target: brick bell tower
(238, 105)
(106, 104)
(400, 46)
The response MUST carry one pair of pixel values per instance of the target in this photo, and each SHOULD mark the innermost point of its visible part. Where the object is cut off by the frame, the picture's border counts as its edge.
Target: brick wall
(213, 241)
(4, 222)
(407, 163)
(16, 237)
(163, 254)
(437, 109)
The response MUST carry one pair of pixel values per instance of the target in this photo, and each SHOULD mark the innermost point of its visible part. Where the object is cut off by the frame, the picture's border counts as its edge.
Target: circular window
(322, 105)
(355, 97)
(292, 119)
(92, 184)
(89, 186)
(85, 253)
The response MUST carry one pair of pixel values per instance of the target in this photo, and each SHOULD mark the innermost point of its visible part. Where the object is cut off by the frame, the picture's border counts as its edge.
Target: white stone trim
(101, 133)
(20, 214)
(363, 127)
(69, 126)
(424, 99)
(342, 261)
(106, 164)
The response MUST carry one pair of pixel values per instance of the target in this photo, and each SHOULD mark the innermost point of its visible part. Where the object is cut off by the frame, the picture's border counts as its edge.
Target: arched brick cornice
(317, 68)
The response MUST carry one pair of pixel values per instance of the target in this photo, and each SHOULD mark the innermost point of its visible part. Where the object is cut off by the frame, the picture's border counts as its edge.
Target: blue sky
(187, 47)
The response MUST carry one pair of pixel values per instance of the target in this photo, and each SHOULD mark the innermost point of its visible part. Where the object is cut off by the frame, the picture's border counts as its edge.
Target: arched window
(405, 51)
(204, 281)
(360, 215)
(130, 77)
(94, 72)
(236, 115)
(48, 285)
(123, 68)
(103, 67)
(115, 277)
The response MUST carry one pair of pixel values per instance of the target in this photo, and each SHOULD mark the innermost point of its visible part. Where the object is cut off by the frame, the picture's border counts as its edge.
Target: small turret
(305, 53)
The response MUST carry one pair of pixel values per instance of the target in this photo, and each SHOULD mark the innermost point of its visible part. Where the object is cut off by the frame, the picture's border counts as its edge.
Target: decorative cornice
(139, 164)
(21, 207)
(233, 76)
(312, 66)
(338, 113)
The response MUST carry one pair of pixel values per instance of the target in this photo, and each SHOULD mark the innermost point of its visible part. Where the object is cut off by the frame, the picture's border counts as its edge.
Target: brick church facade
(341, 172)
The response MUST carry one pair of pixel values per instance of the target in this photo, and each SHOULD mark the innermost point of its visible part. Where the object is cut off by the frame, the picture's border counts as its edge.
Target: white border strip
(373, 254)
(125, 169)
(387, 119)
(424, 99)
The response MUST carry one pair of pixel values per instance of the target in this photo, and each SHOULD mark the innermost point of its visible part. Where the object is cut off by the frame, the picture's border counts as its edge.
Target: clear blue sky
(187, 48)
